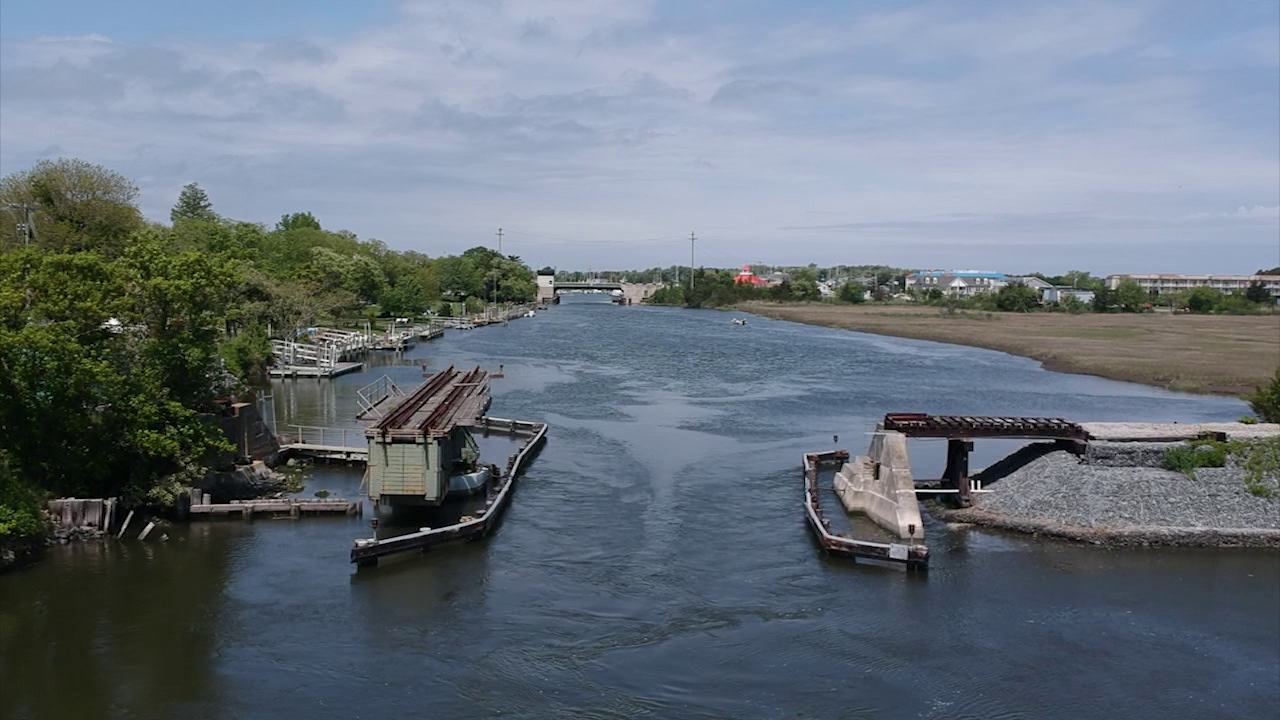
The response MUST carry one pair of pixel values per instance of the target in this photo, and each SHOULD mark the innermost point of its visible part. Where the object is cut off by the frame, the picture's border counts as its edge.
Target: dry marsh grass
(1229, 354)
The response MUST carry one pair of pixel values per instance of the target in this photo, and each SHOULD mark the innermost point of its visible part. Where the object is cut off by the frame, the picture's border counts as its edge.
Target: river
(655, 563)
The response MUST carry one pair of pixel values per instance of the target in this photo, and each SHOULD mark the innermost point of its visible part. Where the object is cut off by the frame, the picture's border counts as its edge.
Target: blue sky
(1137, 136)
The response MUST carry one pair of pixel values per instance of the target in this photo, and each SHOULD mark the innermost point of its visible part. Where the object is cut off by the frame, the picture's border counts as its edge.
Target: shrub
(20, 506)
(1187, 458)
(1248, 420)
(1260, 460)
(1266, 401)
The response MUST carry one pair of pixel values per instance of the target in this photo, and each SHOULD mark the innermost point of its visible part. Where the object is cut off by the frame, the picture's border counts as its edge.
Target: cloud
(1258, 212)
(780, 132)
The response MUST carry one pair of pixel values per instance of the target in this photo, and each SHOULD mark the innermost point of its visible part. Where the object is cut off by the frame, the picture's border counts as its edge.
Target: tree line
(118, 334)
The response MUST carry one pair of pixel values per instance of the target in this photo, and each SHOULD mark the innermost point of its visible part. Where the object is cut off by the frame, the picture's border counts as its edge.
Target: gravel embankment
(1121, 496)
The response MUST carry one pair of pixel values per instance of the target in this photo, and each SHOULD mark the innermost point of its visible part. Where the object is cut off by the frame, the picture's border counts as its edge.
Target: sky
(1018, 135)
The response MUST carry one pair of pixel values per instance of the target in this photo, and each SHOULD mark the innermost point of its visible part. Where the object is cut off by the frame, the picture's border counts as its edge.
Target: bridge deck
(449, 399)
(964, 426)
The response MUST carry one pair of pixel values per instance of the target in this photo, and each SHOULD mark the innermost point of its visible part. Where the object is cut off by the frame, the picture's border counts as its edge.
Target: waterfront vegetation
(117, 334)
(859, 284)
(1230, 354)
(1259, 458)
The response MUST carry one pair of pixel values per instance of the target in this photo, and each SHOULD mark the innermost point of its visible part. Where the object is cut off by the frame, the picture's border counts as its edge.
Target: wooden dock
(293, 507)
(913, 556)
(315, 371)
(366, 551)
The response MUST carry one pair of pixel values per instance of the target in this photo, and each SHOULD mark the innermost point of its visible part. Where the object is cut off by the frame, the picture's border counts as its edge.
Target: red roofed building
(746, 277)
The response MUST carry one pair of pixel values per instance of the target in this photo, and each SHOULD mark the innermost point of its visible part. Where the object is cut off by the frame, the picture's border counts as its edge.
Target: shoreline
(1112, 537)
(1176, 353)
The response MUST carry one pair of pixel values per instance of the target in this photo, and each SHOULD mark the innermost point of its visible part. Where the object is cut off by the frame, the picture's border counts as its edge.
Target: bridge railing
(317, 436)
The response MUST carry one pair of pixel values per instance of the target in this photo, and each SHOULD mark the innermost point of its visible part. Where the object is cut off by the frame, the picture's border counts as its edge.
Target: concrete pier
(880, 485)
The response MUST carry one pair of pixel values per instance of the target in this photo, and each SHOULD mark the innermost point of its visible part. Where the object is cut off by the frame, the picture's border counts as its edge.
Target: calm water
(655, 563)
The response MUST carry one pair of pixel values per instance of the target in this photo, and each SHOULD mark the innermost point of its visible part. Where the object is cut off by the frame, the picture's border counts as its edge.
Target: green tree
(1266, 400)
(1017, 297)
(1258, 293)
(71, 205)
(193, 204)
(298, 221)
(1129, 295)
(1203, 300)
(853, 292)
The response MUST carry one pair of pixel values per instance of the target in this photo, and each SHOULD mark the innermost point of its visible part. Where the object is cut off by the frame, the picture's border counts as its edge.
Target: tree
(1017, 297)
(298, 221)
(73, 205)
(1266, 400)
(853, 292)
(1103, 299)
(1203, 300)
(193, 204)
(1129, 295)
(1257, 293)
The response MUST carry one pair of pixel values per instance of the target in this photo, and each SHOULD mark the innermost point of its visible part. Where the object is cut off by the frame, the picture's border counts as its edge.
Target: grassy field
(1227, 354)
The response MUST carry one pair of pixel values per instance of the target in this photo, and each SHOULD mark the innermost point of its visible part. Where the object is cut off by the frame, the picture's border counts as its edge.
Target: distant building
(746, 277)
(963, 283)
(1167, 283)
(1057, 294)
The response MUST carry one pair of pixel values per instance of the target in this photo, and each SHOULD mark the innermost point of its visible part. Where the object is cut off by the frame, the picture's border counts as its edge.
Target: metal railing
(316, 436)
(374, 394)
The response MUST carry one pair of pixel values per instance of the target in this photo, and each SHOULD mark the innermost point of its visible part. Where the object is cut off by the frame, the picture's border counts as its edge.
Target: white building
(1056, 294)
(967, 283)
(1165, 283)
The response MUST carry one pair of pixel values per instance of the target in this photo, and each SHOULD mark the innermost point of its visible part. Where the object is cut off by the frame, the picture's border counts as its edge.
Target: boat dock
(367, 551)
(912, 555)
(292, 507)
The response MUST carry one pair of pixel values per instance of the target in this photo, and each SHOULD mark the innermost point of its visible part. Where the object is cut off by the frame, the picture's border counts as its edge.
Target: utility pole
(25, 228)
(496, 271)
(691, 261)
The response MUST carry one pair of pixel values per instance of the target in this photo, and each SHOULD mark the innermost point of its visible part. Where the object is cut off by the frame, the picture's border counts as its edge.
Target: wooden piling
(128, 518)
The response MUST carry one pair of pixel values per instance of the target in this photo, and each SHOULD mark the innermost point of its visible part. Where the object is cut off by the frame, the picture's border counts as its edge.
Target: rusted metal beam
(964, 426)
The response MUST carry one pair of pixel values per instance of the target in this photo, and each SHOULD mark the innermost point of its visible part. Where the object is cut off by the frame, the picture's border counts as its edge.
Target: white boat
(469, 483)
(739, 321)
(531, 314)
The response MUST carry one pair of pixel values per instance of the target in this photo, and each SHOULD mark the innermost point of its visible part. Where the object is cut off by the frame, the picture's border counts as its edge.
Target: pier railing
(371, 396)
(314, 436)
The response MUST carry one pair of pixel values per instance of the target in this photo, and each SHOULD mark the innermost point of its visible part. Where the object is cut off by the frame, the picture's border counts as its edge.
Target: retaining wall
(880, 485)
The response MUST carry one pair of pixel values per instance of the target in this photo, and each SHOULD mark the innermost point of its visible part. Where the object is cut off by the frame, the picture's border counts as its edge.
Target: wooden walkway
(293, 507)
(314, 371)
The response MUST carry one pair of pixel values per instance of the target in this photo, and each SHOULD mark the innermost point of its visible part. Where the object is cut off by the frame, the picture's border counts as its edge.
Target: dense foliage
(1265, 402)
(117, 335)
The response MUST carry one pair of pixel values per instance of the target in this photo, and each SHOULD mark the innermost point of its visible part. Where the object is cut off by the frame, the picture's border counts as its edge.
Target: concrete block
(881, 486)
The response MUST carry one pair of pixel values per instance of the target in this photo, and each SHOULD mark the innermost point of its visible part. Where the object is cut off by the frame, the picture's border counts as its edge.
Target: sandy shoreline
(1214, 354)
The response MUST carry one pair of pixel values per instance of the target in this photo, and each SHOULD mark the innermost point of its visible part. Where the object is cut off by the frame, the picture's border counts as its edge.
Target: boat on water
(739, 321)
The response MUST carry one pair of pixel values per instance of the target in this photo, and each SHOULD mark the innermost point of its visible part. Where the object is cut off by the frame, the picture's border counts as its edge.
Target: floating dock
(315, 371)
(912, 555)
(481, 522)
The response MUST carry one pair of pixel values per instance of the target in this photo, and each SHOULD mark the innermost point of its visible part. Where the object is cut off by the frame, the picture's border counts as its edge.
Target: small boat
(531, 314)
(470, 483)
(739, 321)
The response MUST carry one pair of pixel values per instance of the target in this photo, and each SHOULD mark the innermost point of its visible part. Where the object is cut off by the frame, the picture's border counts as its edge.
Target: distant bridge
(631, 293)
